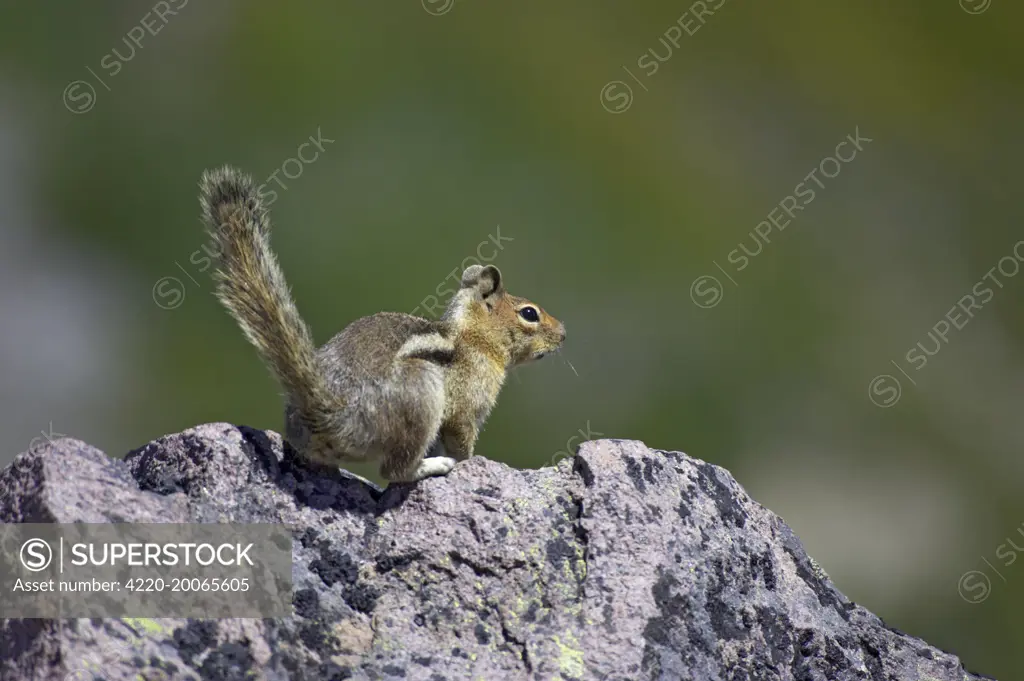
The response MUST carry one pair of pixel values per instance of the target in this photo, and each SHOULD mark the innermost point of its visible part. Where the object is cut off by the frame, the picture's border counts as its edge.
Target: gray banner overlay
(145, 570)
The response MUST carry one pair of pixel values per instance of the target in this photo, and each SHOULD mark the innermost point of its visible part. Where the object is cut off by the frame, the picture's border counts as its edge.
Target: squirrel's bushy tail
(252, 287)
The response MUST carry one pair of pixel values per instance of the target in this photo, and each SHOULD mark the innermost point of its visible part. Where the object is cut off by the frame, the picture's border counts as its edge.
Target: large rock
(623, 563)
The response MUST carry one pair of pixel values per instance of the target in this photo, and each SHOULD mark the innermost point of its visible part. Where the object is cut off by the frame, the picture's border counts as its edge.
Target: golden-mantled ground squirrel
(414, 392)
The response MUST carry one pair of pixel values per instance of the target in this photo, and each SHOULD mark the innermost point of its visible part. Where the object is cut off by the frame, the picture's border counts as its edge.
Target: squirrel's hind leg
(410, 411)
(430, 466)
(421, 466)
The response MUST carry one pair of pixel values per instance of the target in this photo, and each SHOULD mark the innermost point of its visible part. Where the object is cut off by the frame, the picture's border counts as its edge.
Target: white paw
(434, 465)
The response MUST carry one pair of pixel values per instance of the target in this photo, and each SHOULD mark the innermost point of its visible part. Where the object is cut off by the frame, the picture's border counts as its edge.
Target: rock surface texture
(623, 563)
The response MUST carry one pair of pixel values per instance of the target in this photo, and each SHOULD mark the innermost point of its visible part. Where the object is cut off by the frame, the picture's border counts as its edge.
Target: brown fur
(390, 385)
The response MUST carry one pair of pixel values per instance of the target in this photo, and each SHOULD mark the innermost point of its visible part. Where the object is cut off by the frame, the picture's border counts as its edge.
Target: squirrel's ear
(486, 280)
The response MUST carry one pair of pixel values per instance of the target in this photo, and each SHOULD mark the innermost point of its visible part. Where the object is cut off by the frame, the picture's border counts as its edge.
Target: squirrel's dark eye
(529, 314)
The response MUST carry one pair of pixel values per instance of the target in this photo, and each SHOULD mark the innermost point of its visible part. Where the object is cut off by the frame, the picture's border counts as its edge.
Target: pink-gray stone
(622, 563)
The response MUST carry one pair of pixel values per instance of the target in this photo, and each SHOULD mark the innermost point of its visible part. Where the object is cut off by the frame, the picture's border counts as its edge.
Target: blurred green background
(450, 119)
